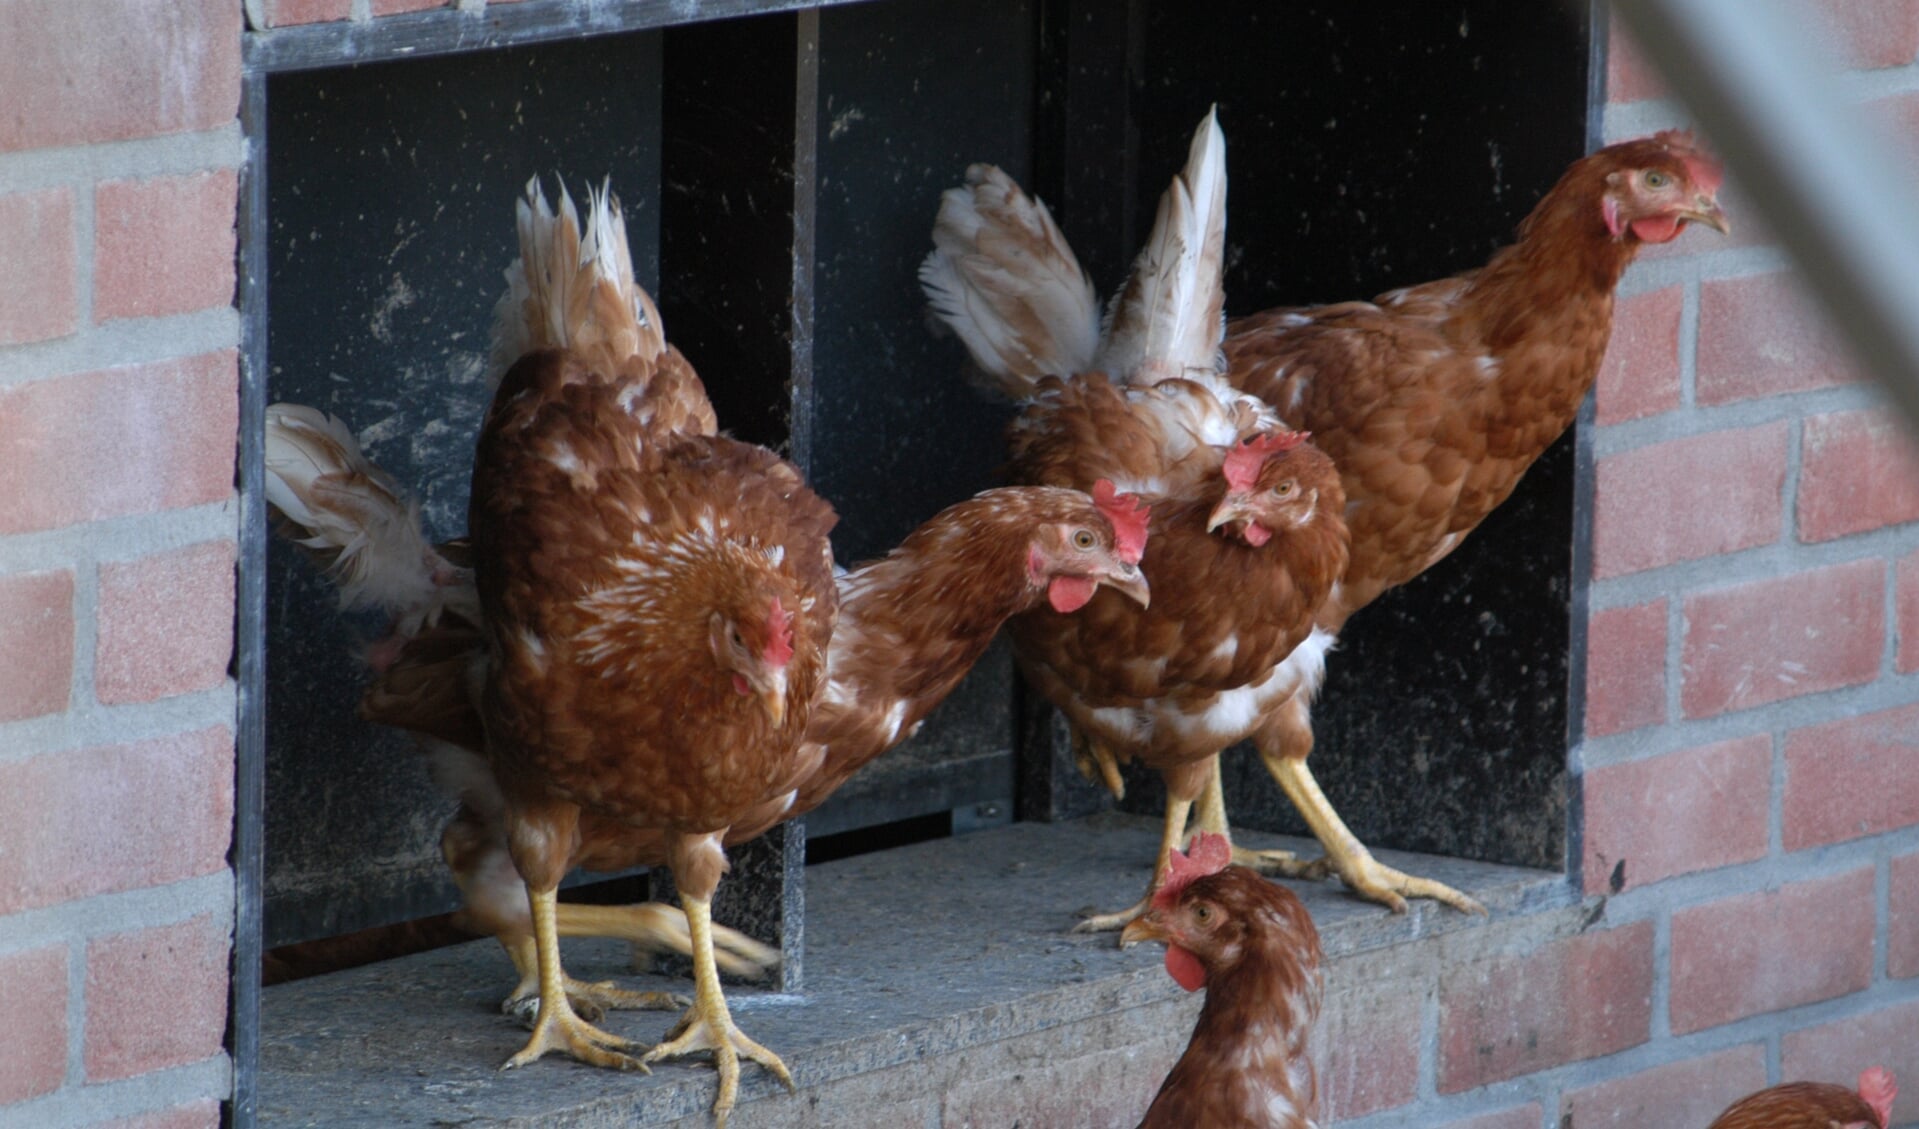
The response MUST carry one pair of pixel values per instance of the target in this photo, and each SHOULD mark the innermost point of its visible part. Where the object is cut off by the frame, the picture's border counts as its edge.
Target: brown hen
(1229, 639)
(657, 605)
(1434, 400)
(1816, 1105)
(1251, 944)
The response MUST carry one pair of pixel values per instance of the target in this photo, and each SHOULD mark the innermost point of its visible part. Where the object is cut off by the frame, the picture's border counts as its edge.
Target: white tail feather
(1169, 319)
(572, 287)
(356, 521)
(1003, 279)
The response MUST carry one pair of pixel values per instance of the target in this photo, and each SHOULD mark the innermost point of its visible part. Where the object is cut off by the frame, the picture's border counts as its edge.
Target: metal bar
(1842, 208)
(249, 786)
(447, 31)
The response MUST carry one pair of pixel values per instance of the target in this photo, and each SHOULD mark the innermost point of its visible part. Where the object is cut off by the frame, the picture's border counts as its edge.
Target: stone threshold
(912, 955)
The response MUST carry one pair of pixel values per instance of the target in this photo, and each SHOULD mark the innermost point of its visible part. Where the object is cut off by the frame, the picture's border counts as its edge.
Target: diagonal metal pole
(1841, 203)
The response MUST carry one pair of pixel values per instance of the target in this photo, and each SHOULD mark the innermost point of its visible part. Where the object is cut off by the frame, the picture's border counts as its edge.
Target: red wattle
(1185, 968)
(1256, 534)
(1656, 229)
(1070, 593)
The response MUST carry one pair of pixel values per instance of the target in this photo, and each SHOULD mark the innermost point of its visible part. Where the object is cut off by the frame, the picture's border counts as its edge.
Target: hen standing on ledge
(657, 602)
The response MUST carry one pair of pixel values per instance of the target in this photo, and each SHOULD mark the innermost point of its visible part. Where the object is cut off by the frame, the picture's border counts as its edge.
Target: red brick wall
(119, 150)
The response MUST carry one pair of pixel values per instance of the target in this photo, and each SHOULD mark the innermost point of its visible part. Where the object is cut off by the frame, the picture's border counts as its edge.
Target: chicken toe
(589, 1001)
(1346, 856)
(708, 1024)
(1170, 835)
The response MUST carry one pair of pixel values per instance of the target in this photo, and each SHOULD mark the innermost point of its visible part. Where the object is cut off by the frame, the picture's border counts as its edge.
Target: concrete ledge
(928, 968)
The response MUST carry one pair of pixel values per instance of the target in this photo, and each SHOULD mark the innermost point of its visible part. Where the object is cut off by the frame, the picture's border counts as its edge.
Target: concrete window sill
(926, 966)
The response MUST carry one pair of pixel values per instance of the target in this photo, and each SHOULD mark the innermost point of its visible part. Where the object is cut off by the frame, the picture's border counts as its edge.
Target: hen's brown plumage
(1227, 644)
(1816, 1105)
(1434, 400)
(1253, 946)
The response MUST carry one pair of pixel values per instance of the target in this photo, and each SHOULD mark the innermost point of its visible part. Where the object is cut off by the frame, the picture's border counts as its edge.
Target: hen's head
(1213, 917)
(753, 641)
(1656, 185)
(1275, 481)
(1075, 550)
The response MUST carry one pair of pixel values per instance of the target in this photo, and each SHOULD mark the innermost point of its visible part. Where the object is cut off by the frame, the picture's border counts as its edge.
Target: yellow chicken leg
(589, 1000)
(708, 1026)
(661, 928)
(1346, 856)
(1212, 817)
(1171, 833)
(556, 1027)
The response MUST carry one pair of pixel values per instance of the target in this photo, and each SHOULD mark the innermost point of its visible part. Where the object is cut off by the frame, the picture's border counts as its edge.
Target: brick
(1630, 76)
(1844, 778)
(1755, 953)
(156, 998)
(1674, 814)
(39, 297)
(1838, 1051)
(1640, 375)
(1898, 118)
(1760, 336)
(33, 1040)
(1518, 1117)
(123, 441)
(1859, 471)
(1626, 668)
(204, 1114)
(1754, 643)
(36, 644)
(1902, 924)
(1689, 498)
(1370, 1056)
(1578, 998)
(1906, 659)
(394, 7)
(119, 817)
(163, 246)
(1867, 34)
(1060, 1080)
(281, 13)
(1690, 1092)
(71, 74)
(165, 624)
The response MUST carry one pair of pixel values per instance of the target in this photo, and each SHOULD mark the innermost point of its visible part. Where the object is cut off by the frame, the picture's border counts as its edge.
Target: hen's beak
(1231, 508)
(1709, 213)
(772, 693)
(1129, 580)
(1145, 927)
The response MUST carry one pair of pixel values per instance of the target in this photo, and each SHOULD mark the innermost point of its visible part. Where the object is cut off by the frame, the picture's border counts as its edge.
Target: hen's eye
(1657, 179)
(1283, 489)
(1083, 539)
(739, 644)
(1202, 913)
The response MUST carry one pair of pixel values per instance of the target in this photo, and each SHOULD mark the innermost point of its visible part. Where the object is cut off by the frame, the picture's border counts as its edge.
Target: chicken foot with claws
(556, 1026)
(708, 1024)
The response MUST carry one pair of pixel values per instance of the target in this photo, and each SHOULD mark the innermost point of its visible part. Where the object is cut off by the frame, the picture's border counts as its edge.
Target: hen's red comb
(1243, 462)
(1701, 166)
(1211, 854)
(1877, 1087)
(1128, 516)
(779, 636)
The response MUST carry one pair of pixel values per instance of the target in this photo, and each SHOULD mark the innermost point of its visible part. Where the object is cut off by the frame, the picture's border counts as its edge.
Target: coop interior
(779, 174)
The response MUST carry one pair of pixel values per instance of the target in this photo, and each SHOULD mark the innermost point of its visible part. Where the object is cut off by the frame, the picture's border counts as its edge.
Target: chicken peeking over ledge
(1816, 1105)
(1248, 532)
(1252, 946)
(910, 626)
